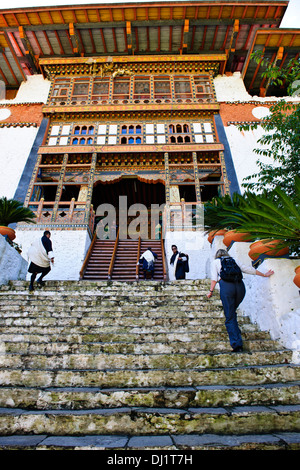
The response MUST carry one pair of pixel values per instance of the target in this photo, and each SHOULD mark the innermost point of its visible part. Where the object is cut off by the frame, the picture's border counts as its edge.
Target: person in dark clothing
(147, 261)
(40, 254)
(232, 294)
(180, 261)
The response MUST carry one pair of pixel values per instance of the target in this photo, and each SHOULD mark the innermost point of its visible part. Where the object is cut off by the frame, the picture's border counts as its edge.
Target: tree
(281, 139)
(278, 75)
(281, 143)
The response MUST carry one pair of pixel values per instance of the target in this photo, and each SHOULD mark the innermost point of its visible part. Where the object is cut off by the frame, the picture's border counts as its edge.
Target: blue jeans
(232, 294)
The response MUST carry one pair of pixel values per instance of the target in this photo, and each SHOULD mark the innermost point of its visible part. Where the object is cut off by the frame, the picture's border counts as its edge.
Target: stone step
(138, 364)
(244, 374)
(152, 421)
(80, 398)
(63, 347)
(69, 286)
(165, 362)
(185, 442)
(71, 309)
(130, 339)
(118, 322)
(206, 331)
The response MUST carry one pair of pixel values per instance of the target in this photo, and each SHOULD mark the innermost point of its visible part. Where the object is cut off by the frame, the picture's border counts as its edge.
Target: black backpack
(230, 271)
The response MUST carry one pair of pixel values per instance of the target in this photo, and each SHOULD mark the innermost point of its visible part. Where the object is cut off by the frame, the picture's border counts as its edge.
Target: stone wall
(273, 303)
(12, 265)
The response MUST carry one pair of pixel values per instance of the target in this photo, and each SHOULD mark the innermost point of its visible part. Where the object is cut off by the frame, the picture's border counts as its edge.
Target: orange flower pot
(7, 231)
(296, 279)
(215, 233)
(233, 236)
(267, 248)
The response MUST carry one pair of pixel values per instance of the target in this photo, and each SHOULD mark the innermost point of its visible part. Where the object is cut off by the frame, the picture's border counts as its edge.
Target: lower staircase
(138, 365)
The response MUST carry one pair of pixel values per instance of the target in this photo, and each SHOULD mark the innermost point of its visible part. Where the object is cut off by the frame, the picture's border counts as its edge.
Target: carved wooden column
(33, 180)
(196, 173)
(167, 177)
(59, 186)
(90, 189)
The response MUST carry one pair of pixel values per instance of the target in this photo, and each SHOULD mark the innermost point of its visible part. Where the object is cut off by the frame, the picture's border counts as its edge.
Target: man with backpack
(228, 272)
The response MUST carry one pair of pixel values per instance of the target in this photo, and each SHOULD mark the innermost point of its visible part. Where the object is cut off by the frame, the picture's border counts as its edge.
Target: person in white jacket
(40, 255)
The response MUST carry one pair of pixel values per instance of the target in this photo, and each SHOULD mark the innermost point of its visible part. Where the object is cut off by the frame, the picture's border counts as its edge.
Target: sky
(290, 20)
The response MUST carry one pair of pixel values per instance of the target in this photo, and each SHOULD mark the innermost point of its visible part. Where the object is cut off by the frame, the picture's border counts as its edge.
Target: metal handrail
(112, 261)
(87, 257)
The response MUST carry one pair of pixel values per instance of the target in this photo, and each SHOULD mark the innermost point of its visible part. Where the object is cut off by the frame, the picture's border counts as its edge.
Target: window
(182, 87)
(131, 130)
(60, 91)
(162, 88)
(100, 90)
(81, 88)
(141, 89)
(203, 88)
(178, 133)
(121, 88)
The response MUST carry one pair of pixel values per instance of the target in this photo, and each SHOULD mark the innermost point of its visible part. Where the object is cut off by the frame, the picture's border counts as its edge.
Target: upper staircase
(138, 365)
(117, 260)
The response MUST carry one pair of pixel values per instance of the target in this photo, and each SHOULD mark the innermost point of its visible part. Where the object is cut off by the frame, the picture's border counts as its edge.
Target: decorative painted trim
(130, 148)
(18, 124)
(28, 103)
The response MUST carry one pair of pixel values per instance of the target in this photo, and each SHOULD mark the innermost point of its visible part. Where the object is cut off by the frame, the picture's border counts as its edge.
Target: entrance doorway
(136, 192)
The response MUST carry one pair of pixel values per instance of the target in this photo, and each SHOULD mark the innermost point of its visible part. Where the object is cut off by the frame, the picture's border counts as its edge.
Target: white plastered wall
(242, 143)
(69, 247)
(195, 245)
(16, 142)
(272, 303)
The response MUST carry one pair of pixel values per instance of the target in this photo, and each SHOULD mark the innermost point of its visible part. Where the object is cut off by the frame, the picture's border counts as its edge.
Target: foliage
(12, 211)
(280, 143)
(271, 215)
(279, 75)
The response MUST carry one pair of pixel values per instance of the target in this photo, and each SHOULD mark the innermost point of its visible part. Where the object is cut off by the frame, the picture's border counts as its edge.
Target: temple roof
(156, 28)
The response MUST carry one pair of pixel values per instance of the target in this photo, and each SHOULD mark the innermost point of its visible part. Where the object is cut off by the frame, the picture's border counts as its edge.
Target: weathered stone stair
(138, 365)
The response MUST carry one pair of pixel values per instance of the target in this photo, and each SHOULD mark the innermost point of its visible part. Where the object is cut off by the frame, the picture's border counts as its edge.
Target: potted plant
(269, 248)
(296, 279)
(12, 212)
(234, 236)
(216, 215)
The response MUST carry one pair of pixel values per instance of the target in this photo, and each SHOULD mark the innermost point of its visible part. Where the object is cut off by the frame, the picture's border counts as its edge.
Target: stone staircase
(138, 365)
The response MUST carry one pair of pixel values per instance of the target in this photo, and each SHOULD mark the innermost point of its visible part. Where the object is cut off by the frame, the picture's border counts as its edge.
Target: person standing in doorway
(41, 255)
(180, 261)
(228, 272)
